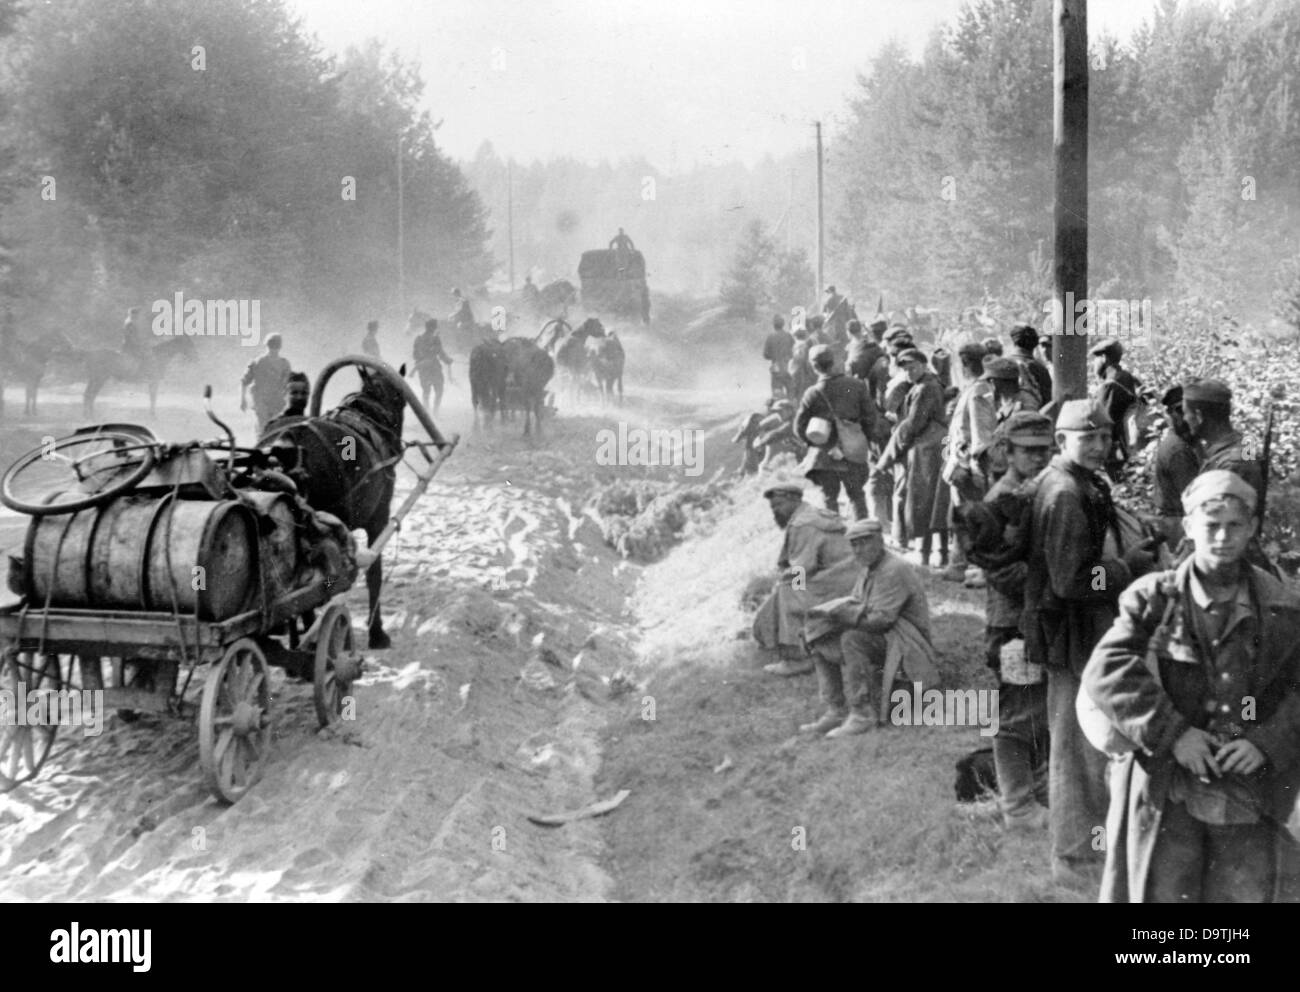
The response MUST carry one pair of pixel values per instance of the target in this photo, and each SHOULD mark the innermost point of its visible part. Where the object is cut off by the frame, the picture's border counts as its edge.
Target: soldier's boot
(827, 721)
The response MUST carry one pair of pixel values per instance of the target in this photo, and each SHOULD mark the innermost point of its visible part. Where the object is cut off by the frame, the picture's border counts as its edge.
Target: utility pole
(821, 238)
(1070, 221)
(789, 215)
(510, 217)
(401, 235)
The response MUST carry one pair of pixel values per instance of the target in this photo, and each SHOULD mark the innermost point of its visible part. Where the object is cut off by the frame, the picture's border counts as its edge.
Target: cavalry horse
(99, 365)
(344, 463)
(574, 355)
(25, 363)
(607, 358)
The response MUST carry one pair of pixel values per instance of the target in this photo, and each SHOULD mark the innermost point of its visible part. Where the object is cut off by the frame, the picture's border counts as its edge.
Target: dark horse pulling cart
(145, 560)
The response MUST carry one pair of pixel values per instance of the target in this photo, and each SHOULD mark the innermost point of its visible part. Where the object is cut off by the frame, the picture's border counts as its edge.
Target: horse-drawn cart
(144, 561)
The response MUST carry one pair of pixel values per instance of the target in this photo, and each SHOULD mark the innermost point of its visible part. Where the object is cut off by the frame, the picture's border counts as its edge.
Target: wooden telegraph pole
(401, 235)
(1070, 159)
(510, 217)
(821, 238)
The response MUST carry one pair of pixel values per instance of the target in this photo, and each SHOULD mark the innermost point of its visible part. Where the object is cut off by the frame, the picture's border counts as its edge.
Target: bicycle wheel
(78, 471)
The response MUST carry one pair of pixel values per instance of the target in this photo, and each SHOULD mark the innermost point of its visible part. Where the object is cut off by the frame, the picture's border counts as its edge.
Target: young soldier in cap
(816, 563)
(843, 460)
(850, 637)
(778, 347)
(917, 445)
(1008, 399)
(1175, 466)
(1207, 407)
(1020, 747)
(267, 375)
(1071, 590)
(1024, 340)
(1196, 812)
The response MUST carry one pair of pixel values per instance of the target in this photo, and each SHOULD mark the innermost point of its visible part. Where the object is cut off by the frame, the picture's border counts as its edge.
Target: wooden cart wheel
(337, 664)
(23, 749)
(235, 721)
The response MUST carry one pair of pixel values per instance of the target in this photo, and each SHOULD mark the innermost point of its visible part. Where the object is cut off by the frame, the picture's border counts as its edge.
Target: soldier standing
(1199, 818)
(1071, 592)
(778, 348)
(267, 375)
(370, 343)
(1175, 466)
(429, 356)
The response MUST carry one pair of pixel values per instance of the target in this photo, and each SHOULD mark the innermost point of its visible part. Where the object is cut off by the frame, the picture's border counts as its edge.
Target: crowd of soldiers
(1155, 653)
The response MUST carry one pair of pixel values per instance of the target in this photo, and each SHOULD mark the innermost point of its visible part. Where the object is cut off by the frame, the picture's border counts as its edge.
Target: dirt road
(532, 671)
(508, 615)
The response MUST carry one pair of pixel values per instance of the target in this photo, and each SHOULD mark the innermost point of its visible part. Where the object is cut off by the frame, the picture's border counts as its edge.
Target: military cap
(784, 489)
(911, 355)
(863, 528)
(1082, 415)
(1216, 484)
(895, 330)
(1027, 427)
(821, 354)
(1172, 396)
(1106, 347)
(1023, 335)
(1001, 368)
(1207, 391)
(879, 324)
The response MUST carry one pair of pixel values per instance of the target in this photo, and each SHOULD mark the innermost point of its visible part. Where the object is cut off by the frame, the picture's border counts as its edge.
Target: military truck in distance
(607, 291)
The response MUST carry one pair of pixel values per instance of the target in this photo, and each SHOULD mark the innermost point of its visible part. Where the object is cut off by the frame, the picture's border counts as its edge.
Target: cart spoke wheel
(24, 748)
(235, 721)
(87, 469)
(337, 664)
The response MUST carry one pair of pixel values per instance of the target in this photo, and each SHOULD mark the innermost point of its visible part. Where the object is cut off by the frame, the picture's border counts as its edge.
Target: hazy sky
(678, 81)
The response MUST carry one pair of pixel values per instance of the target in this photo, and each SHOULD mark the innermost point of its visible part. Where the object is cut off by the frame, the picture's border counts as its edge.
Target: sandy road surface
(462, 729)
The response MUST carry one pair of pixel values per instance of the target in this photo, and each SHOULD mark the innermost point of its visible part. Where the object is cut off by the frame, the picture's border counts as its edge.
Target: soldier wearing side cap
(1175, 465)
(1072, 587)
(852, 637)
(1021, 745)
(1008, 399)
(1197, 810)
(815, 563)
